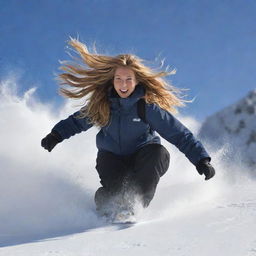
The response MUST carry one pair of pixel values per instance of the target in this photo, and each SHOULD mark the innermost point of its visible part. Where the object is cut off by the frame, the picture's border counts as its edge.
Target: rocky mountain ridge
(235, 128)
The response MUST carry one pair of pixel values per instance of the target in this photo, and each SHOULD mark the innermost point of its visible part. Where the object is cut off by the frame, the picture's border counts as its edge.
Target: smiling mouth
(123, 91)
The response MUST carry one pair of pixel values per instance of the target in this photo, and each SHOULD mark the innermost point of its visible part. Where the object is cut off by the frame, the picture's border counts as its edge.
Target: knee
(164, 160)
(154, 158)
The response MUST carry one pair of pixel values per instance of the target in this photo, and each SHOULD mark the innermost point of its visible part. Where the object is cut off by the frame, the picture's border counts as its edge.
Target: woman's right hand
(51, 140)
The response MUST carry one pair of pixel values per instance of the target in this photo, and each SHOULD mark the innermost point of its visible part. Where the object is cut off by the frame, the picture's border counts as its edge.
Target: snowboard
(117, 214)
(117, 209)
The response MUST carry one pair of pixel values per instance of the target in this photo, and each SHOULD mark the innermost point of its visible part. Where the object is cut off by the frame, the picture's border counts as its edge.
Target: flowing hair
(91, 76)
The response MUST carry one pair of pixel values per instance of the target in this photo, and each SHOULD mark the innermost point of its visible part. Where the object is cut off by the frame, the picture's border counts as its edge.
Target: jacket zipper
(119, 127)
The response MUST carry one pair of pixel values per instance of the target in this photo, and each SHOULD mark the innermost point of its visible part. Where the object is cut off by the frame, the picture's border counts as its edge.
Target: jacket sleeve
(175, 132)
(71, 126)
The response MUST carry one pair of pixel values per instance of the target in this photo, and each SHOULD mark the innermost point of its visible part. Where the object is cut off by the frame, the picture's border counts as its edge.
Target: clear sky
(212, 44)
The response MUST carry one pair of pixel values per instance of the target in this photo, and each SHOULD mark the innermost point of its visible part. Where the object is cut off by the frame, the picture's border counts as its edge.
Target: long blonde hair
(92, 76)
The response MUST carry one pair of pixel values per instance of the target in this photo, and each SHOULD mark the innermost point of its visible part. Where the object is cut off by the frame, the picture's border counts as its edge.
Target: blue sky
(212, 44)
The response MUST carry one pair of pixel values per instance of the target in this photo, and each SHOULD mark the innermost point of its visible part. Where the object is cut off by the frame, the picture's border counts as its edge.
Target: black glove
(51, 140)
(204, 167)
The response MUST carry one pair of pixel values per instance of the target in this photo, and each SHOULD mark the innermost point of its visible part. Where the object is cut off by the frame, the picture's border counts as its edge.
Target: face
(124, 81)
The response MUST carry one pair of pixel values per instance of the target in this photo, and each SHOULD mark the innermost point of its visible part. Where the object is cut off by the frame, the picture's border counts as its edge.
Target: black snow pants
(139, 172)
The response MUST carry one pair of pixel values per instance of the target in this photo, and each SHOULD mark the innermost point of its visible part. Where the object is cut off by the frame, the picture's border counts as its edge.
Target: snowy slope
(46, 200)
(225, 227)
(186, 225)
(235, 128)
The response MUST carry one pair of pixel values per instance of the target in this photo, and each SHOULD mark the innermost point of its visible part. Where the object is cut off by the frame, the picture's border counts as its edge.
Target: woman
(130, 155)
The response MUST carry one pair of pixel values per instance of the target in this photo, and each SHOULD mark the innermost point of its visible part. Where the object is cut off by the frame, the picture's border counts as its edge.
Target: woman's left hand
(204, 167)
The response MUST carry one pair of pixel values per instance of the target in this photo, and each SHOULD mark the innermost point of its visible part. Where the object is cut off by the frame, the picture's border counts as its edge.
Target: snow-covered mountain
(234, 127)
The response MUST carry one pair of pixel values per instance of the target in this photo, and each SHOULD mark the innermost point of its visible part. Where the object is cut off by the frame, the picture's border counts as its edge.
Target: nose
(123, 84)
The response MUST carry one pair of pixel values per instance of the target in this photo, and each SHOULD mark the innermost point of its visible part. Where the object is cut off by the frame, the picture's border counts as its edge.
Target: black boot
(101, 198)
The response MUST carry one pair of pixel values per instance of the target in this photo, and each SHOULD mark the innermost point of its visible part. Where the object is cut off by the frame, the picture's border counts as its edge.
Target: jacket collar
(117, 101)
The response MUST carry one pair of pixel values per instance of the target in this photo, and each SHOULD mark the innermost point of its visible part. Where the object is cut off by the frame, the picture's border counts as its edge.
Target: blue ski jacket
(126, 132)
